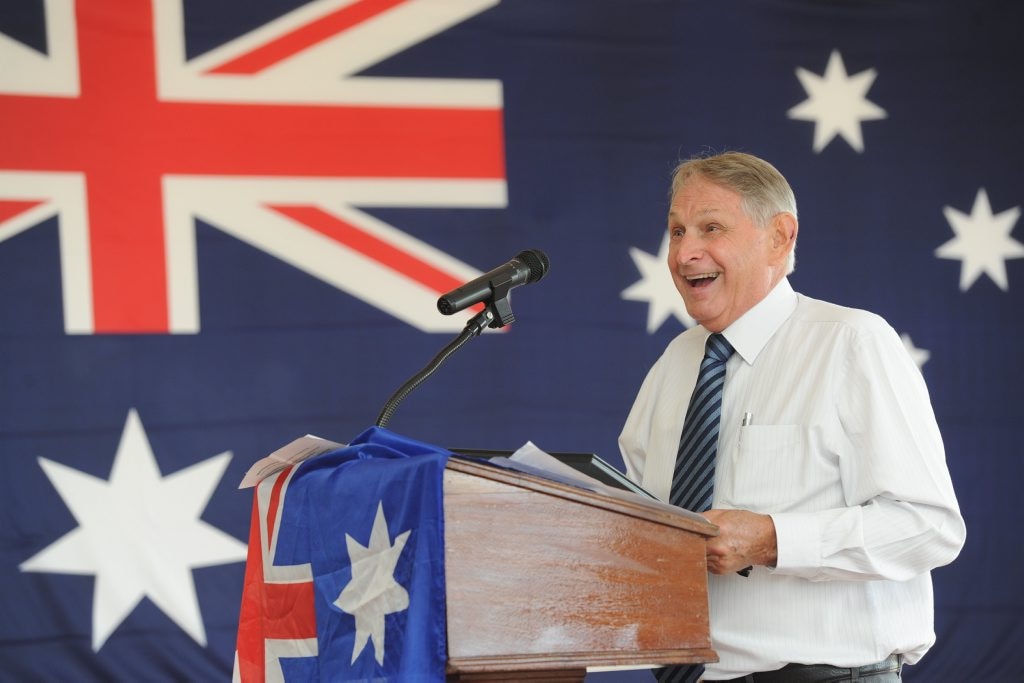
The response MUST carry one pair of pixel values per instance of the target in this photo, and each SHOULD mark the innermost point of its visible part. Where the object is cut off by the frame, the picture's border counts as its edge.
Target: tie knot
(718, 348)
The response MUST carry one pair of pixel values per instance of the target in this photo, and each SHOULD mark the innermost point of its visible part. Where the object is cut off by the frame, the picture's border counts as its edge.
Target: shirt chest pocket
(778, 468)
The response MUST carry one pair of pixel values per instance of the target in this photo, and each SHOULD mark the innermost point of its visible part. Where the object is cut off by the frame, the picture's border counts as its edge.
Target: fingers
(744, 539)
(724, 561)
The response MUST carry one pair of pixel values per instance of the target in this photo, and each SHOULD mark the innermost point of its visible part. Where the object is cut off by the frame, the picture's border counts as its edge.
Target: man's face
(721, 262)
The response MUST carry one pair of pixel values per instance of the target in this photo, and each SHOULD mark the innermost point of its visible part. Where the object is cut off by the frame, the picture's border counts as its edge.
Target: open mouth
(702, 280)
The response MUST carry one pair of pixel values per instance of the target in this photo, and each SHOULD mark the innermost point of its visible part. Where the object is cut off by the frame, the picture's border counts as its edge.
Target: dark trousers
(886, 671)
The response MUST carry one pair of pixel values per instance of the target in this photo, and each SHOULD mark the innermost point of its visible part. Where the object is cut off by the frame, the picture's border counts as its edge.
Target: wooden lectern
(545, 579)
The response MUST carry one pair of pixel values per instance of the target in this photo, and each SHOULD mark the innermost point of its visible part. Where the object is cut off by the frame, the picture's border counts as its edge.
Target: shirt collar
(749, 334)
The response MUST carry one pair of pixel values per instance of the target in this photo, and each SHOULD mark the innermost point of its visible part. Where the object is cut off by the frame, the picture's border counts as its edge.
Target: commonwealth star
(373, 592)
(139, 534)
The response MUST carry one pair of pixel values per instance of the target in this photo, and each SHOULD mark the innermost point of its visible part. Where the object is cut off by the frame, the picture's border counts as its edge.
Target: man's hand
(745, 538)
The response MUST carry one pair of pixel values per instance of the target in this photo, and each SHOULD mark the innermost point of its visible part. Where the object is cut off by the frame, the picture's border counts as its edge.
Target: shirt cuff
(798, 544)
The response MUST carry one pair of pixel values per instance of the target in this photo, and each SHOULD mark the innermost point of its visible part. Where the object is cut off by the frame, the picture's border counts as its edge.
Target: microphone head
(536, 261)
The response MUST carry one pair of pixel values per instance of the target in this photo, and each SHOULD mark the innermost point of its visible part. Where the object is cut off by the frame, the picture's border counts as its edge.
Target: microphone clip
(500, 307)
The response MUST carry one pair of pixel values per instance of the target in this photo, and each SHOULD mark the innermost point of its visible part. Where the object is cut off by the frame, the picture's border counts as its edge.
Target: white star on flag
(837, 103)
(373, 592)
(139, 534)
(919, 356)
(656, 288)
(982, 241)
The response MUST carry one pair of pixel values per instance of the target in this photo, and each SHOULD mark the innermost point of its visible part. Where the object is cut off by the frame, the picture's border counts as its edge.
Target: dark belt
(822, 673)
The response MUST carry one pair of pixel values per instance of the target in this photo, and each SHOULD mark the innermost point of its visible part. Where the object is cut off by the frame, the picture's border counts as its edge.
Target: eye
(712, 227)
(676, 231)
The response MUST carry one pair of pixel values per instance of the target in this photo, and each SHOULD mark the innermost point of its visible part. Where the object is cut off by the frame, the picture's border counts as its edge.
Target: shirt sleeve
(635, 435)
(902, 518)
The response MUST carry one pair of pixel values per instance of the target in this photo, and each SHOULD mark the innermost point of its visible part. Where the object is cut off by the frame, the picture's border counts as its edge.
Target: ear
(783, 230)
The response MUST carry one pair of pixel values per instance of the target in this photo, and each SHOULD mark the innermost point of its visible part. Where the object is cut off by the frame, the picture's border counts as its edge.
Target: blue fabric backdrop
(138, 385)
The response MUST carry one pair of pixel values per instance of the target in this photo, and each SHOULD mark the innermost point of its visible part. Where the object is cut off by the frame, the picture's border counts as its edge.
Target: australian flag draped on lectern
(345, 577)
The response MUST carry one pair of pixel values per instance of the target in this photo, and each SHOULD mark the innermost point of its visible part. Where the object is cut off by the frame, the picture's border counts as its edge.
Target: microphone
(528, 266)
(493, 288)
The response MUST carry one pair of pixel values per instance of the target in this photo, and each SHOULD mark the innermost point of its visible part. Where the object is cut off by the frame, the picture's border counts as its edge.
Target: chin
(710, 322)
(697, 312)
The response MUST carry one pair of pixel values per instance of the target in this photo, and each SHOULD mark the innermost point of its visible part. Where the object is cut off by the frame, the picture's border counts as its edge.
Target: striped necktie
(694, 477)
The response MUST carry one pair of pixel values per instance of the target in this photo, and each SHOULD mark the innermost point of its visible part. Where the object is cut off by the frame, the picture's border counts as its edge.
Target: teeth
(702, 276)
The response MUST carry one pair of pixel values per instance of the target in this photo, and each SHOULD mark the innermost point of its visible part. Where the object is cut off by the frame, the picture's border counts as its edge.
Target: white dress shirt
(843, 451)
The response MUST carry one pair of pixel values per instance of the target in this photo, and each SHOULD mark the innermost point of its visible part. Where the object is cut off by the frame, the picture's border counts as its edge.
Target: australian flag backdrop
(224, 224)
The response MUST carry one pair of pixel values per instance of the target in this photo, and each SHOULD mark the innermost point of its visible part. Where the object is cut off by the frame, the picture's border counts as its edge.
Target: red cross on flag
(270, 138)
(277, 617)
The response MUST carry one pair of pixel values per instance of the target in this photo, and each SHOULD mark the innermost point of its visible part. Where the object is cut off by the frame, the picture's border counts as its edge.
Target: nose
(684, 248)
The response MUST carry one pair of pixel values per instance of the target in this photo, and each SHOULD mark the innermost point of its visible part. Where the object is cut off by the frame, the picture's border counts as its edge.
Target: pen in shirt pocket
(747, 417)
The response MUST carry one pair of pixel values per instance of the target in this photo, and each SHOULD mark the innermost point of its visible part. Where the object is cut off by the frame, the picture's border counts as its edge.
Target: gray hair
(764, 190)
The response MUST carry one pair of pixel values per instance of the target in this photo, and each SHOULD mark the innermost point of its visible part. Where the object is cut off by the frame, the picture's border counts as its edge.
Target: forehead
(700, 197)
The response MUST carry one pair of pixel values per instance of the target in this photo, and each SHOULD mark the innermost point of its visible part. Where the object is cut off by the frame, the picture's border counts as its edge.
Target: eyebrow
(710, 211)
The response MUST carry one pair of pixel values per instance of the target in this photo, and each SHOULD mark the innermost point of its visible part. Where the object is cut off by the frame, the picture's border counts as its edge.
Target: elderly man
(805, 432)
